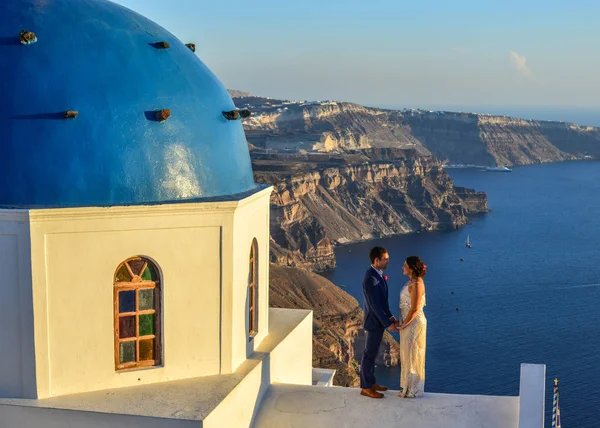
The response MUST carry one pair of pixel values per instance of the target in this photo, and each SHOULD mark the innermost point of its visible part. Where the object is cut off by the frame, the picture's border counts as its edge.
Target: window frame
(253, 291)
(137, 284)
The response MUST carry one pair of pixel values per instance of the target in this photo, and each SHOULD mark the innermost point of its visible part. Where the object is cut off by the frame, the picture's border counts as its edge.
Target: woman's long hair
(418, 267)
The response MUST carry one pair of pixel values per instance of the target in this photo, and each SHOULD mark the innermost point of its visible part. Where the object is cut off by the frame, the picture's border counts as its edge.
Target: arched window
(253, 291)
(137, 314)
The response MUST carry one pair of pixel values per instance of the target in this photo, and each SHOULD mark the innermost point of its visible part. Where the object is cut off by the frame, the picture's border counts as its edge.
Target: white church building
(134, 267)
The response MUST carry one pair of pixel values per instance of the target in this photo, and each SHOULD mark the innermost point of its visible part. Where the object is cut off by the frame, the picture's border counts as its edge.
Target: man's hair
(377, 253)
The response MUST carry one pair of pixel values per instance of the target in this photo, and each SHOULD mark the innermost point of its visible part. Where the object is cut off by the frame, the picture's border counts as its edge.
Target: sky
(419, 53)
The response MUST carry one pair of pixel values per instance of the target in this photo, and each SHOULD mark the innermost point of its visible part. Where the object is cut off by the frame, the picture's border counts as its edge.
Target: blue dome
(105, 62)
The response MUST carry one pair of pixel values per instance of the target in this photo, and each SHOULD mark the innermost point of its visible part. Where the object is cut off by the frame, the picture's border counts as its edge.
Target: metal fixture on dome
(70, 114)
(27, 37)
(231, 115)
(237, 114)
(191, 46)
(162, 115)
(161, 45)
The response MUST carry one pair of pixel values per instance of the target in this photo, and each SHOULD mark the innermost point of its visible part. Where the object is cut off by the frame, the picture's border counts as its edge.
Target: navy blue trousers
(367, 363)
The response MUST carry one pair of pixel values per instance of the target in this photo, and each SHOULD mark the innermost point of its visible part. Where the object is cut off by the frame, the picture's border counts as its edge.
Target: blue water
(528, 290)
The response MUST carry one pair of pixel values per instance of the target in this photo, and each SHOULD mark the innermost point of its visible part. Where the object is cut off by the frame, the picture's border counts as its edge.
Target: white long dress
(412, 349)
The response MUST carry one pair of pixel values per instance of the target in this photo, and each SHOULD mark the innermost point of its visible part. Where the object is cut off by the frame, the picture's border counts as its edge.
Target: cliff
(472, 201)
(470, 138)
(317, 205)
(323, 126)
(338, 338)
(466, 138)
(342, 173)
(234, 93)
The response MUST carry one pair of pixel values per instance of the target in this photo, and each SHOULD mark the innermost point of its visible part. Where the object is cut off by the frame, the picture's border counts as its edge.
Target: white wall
(57, 292)
(17, 360)
(251, 221)
(79, 278)
(291, 360)
(285, 356)
(10, 333)
(75, 253)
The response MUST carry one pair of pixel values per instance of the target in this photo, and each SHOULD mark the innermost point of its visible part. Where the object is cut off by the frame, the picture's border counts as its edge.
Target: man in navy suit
(377, 318)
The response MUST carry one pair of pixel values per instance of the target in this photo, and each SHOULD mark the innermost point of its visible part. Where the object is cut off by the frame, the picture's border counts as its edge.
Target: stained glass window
(136, 265)
(149, 273)
(253, 291)
(127, 352)
(127, 327)
(147, 325)
(146, 349)
(137, 314)
(123, 274)
(126, 301)
(146, 299)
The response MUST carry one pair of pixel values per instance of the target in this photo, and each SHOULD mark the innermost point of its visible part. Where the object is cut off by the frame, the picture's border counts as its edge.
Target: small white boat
(468, 242)
(498, 169)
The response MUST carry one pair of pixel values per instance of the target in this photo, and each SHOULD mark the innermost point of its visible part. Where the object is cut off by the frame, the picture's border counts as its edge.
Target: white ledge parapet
(532, 394)
(322, 377)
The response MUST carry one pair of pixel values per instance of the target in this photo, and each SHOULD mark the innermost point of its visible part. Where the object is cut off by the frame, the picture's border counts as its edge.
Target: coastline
(470, 166)
(338, 244)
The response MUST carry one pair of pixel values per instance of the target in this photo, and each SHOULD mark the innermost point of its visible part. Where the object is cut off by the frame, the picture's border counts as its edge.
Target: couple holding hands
(412, 325)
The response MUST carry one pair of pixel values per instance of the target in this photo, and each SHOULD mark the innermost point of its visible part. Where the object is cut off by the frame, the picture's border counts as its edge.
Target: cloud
(519, 63)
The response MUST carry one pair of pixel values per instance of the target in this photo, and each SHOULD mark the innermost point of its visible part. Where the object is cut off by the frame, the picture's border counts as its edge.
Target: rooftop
(303, 406)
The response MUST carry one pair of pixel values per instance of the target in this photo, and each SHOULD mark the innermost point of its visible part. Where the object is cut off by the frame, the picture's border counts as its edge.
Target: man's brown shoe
(368, 392)
(377, 387)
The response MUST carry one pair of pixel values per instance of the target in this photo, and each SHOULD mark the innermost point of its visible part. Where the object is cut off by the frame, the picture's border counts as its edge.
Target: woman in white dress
(413, 329)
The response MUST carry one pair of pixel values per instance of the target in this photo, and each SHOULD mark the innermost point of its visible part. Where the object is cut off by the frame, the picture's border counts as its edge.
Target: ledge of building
(323, 377)
(189, 399)
(233, 198)
(304, 406)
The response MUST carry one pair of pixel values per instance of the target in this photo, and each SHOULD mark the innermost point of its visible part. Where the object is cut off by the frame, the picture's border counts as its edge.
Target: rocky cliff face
(342, 173)
(234, 93)
(472, 201)
(465, 138)
(313, 209)
(338, 338)
(497, 140)
(324, 127)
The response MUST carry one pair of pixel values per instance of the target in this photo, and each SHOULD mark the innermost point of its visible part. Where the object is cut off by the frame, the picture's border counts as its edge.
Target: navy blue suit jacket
(376, 308)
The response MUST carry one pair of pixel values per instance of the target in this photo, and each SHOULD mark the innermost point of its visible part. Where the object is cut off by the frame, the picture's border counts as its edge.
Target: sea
(528, 291)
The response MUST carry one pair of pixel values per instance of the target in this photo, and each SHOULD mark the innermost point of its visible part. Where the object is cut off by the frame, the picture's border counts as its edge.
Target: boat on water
(498, 169)
(468, 242)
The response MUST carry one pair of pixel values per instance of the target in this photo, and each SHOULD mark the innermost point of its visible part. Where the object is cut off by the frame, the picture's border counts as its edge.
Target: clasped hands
(395, 326)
